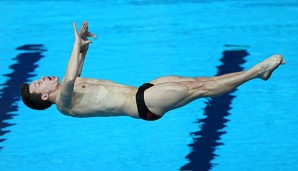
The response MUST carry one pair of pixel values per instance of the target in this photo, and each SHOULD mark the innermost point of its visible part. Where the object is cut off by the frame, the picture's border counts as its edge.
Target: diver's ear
(45, 97)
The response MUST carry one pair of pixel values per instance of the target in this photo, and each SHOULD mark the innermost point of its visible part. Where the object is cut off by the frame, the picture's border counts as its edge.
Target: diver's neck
(54, 95)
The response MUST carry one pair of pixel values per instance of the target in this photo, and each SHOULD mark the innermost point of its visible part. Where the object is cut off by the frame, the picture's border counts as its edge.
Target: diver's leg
(170, 95)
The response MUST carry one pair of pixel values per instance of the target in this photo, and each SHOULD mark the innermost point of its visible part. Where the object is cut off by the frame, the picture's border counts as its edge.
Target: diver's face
(45, 85)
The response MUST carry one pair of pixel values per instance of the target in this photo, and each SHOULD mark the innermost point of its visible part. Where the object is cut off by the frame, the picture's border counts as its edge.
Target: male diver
(85, 97)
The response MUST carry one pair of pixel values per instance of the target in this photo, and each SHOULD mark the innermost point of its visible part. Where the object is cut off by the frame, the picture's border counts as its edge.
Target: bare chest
(101, 99)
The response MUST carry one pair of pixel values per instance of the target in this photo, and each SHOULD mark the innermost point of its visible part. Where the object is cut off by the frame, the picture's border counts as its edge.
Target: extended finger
(74, 25)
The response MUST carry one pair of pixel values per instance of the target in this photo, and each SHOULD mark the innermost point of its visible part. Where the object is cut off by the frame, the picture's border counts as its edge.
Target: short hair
(33, 100)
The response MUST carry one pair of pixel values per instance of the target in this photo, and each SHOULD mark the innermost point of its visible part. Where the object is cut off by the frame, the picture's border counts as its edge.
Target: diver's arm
(67, 89)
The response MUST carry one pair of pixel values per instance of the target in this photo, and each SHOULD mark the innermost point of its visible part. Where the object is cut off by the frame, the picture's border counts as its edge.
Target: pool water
(251, 128)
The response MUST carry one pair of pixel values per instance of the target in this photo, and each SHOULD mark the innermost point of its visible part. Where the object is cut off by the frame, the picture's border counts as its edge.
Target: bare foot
(267, 67)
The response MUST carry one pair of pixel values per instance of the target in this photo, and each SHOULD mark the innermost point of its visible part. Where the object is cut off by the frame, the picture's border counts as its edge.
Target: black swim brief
(144, 112)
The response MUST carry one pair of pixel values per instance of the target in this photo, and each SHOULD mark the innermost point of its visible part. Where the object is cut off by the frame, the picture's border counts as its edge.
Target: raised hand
(84, 34)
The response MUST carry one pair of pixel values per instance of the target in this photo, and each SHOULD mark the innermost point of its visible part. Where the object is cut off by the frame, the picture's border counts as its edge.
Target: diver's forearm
(81, 63)
(73, 63)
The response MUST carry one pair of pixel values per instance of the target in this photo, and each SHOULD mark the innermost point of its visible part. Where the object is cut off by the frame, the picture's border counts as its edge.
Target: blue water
(252, 128)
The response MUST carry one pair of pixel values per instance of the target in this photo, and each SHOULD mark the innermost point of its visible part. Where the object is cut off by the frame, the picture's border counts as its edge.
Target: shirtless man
(85, 97)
